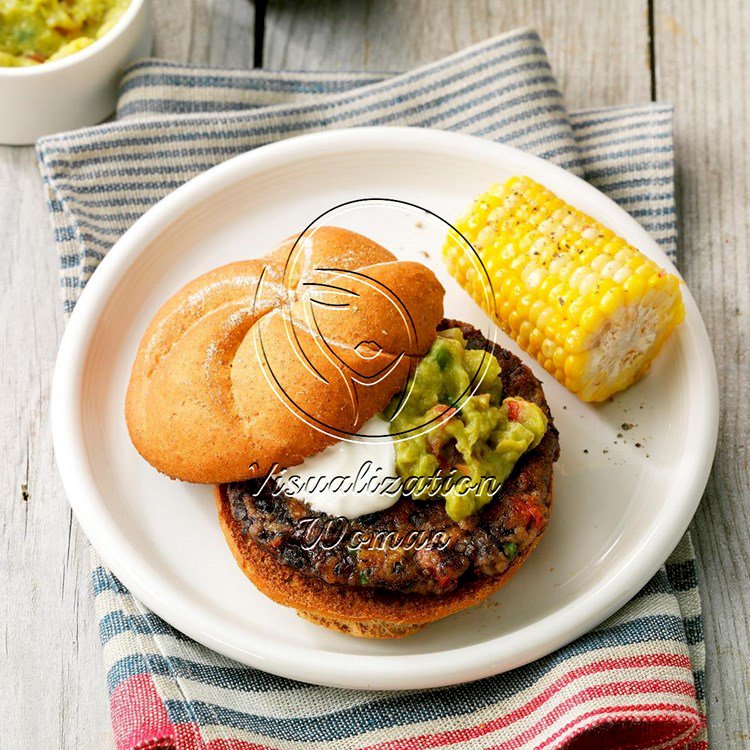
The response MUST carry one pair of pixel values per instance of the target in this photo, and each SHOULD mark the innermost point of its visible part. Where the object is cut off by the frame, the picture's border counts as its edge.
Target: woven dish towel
(634, 682)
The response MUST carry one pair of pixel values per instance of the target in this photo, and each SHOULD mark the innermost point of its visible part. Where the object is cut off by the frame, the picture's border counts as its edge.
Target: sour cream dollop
(351, 478)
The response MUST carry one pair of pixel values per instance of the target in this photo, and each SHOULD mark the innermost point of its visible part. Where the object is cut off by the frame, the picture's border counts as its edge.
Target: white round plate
(621, 503)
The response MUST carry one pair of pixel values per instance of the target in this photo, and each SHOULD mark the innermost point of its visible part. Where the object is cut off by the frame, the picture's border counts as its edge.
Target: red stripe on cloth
(188, 737)
(628, 688)
(635, 733)
(628, 716)
(140, 720)
(139, 717)
(628, 662)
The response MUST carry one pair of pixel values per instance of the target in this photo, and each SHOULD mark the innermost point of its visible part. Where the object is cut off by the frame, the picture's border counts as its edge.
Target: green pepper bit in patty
(466, 437)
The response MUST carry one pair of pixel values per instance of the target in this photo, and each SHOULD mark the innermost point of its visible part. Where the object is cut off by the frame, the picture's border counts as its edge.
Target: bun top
(263, 363)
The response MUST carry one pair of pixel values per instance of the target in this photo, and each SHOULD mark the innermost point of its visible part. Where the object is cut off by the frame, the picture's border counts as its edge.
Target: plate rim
(309, 664)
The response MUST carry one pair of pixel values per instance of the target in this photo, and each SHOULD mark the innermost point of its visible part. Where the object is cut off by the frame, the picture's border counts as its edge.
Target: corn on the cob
(592, 309)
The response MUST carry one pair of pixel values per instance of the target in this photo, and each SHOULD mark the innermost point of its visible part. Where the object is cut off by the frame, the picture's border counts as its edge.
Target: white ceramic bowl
(75, 91)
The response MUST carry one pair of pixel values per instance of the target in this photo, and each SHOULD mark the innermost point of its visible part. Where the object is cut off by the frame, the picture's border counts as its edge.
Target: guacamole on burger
(467, 438)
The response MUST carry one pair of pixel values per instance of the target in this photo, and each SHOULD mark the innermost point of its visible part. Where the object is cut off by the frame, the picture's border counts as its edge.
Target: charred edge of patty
(483, 545)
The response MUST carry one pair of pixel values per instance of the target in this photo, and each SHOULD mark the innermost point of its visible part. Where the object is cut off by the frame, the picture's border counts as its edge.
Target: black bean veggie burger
(377, 467)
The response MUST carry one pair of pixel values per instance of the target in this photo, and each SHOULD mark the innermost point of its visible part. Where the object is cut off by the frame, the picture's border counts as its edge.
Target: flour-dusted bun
(266, 362)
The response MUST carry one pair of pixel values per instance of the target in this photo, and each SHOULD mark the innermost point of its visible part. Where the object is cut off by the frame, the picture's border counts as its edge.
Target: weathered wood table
(692, 53)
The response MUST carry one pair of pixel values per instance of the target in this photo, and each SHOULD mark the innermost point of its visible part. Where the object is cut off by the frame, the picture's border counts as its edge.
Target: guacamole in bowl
(33, 32)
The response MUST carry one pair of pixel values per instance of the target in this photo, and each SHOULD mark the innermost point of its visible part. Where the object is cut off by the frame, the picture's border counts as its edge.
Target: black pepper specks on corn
(591, 308)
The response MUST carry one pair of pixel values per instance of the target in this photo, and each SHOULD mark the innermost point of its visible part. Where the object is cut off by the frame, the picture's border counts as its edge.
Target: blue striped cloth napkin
(636, 681)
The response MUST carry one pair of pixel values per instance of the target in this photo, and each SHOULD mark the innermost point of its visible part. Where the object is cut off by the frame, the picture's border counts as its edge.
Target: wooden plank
(703, 67)
(599, 49)
(54, 691)
(212, 32)
(51, 671)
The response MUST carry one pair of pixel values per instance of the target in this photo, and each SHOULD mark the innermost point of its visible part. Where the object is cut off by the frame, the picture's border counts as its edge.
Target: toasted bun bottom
(365, 613)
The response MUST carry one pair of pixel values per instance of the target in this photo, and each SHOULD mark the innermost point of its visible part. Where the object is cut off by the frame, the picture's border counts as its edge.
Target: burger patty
(413, 546)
